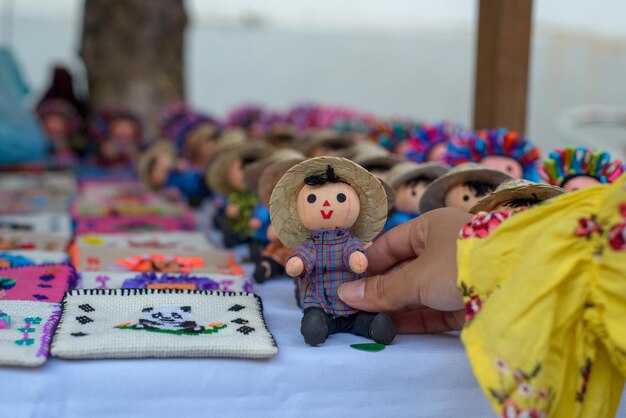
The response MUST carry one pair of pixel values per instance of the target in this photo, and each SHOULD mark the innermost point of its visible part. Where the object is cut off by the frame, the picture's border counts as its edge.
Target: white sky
(600, 16)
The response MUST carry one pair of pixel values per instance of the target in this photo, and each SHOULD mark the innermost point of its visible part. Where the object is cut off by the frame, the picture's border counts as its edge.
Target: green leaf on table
(373, 347)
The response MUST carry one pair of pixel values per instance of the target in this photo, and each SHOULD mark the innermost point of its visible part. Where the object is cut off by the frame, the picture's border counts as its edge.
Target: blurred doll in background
(61, 124)
(498, 149)
(118, 134)
(577, 168)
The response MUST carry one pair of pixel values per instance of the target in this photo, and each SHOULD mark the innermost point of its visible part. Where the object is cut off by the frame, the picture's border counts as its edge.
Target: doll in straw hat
(577, 168)
(260, 220)
(194, 134)
(160, 169)
(516, 193)
(275, 255)
(409, 181)
(225, 176)
(498, 149)
(375, 159)
(317, 143)
(462, 187)
(327, 208)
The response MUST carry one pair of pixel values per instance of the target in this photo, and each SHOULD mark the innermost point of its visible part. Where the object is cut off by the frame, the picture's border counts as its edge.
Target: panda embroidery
(169, 318)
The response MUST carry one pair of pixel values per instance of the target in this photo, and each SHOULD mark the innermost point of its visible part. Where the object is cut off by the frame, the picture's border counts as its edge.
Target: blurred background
(411, 58)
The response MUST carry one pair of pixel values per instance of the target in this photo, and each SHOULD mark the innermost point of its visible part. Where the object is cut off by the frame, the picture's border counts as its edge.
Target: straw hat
(159, 147)
(271, 175)
(514, 190)
(216, 174)
(390, 193)
(283, 202)
(406, 171)
(252, 172)
(326, 138)
(370, 155)
(434, 196)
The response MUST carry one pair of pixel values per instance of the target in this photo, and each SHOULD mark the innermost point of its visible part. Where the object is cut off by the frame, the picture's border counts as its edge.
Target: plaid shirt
(326, 256)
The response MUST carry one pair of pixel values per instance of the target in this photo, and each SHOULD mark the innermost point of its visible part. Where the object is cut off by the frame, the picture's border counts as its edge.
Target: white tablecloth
(417, 376)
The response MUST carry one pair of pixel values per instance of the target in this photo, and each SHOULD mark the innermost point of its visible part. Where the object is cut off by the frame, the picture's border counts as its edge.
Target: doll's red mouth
(326, 215)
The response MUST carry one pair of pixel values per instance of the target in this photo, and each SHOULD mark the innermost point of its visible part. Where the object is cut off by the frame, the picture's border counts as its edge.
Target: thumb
(388, 292)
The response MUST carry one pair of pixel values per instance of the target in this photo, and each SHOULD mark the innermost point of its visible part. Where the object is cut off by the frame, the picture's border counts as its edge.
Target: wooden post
(133, 53)
(503, 48)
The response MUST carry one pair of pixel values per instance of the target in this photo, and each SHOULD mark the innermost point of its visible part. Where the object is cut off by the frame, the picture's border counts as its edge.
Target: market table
(417, 376)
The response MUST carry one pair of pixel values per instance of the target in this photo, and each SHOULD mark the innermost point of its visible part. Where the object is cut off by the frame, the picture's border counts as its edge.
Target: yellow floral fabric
(545, 292)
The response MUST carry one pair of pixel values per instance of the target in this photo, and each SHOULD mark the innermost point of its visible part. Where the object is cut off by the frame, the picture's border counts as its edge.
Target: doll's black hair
(480, 188)
(328, 177)
(420, 179)
(519, 203)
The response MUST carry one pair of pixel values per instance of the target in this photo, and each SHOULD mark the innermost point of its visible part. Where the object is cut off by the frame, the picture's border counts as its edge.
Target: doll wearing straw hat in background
(275, 255)
(578, 168)
(260, 219)
(409, 181)
(327, 208)
(514, 194)
(225, 176)
(462, 187)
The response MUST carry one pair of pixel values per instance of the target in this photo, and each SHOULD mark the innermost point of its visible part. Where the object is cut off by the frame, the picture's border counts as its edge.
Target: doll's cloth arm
(545, 304)
(350, 247)
(306, 253)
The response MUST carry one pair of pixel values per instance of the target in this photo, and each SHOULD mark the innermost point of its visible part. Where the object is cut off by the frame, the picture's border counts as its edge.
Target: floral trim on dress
(616, 235)
(484, 223)
(518, 397)
(473, 303)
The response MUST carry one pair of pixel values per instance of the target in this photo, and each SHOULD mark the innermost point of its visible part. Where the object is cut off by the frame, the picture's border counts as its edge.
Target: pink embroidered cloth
(46, 283)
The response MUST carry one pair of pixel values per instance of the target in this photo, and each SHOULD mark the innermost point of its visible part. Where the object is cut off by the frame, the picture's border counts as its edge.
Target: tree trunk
(133, 54)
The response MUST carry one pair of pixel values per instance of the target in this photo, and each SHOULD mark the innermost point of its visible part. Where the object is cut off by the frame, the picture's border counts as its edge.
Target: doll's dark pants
(357, 324)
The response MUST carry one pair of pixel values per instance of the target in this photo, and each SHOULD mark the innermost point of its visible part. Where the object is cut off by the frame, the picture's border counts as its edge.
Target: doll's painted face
(505, 164)
(55, 126)
(235, 175)
(329, 206)
(160, 170)
(465, 196)
(409, 195)
(201, 143)
(125, 129)
(580, 182)
(437, 153)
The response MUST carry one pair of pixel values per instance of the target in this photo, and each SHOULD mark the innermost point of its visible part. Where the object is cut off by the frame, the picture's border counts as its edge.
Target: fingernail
(352, 292)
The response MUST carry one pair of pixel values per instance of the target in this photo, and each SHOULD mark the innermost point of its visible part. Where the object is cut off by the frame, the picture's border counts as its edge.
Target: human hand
(294, 267)
(357, 262)
(413, 272)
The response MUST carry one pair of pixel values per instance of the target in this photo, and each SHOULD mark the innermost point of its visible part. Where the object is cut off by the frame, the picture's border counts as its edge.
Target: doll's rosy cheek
(461, 197)
(580, 182)
(505, 164)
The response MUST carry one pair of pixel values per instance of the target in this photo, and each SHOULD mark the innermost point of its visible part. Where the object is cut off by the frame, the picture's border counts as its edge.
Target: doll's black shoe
(261, 272)
(382, 329)
(314, 327)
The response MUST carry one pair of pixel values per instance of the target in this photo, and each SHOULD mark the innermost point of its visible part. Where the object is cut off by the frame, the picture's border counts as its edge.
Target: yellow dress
(545, 294)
